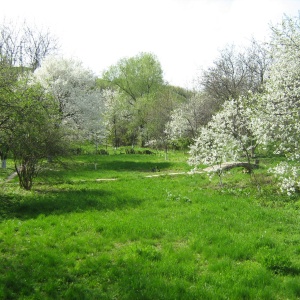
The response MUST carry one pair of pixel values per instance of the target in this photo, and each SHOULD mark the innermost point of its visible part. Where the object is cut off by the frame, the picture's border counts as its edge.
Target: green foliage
(136, 76)
(139, 103)
(35, 134)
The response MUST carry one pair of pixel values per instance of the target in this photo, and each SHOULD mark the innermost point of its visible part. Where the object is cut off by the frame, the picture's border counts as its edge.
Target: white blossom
(227, 137)
(73, 86)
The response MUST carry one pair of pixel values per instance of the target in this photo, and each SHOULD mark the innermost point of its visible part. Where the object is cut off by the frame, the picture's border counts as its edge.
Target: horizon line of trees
(48, 102)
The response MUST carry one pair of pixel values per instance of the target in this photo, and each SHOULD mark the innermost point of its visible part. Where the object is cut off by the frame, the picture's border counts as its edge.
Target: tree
(138, 81)
(136, 77)
(278, 118)
(115, 117)
(4, 149)
(8, 106)
(235, 73)
(35, 134)
(258, 60)
(229, 136)
(123, 122)
(187, 119)
(21, 49)
(74, 89)
(25, 45)
(270, 117)
(91, 121)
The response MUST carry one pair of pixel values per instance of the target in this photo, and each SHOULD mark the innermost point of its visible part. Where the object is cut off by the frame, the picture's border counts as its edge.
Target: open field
(101, 229)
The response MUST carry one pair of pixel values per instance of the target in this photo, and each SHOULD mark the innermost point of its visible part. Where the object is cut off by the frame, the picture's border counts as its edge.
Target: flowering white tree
(73, 87)
(278, 121)
(271, 118)
(91, 117)
(186, 120)
(115, 116)
(178, 125)
(227, 137)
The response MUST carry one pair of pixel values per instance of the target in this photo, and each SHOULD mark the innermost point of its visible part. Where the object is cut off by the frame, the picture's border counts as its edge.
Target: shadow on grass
(62, 202)
(134, 166)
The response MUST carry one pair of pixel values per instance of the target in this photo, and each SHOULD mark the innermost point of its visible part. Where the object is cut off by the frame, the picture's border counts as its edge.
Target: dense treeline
(241, 104)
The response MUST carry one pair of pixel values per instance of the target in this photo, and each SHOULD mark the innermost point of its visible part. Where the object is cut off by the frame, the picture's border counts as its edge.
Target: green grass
(167, 237)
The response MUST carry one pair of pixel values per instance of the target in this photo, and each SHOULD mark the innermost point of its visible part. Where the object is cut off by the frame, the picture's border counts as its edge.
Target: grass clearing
(166, 237)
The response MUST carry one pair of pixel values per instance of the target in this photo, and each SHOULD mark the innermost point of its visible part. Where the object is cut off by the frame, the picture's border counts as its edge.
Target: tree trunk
(26, 171)
(3, 163)
(166, 152)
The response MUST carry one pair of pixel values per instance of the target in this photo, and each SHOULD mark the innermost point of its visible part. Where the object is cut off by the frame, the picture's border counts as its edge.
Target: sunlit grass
(137, 237)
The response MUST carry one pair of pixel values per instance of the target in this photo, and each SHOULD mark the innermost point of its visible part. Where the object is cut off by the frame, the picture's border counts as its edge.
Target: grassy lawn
(101, 229)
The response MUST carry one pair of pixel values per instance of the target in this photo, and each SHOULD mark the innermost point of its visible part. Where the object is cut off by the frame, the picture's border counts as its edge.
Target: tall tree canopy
(138, 81)
(136, 76)
(236, 72)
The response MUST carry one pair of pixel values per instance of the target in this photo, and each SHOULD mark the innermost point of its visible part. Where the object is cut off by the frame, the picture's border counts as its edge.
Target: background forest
(244, 105)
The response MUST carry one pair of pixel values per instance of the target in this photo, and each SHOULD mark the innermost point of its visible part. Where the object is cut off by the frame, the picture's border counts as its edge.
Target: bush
(102, 152)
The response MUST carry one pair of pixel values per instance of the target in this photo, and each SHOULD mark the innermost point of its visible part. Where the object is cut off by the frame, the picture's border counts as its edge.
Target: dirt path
(11, 176)
(230, 165)
(224, 166)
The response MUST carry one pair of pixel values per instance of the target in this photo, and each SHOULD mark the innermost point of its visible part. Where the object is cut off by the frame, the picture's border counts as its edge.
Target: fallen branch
(230, 165)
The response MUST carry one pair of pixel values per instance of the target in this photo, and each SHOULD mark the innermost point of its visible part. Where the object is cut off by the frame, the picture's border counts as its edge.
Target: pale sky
(185, 35)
